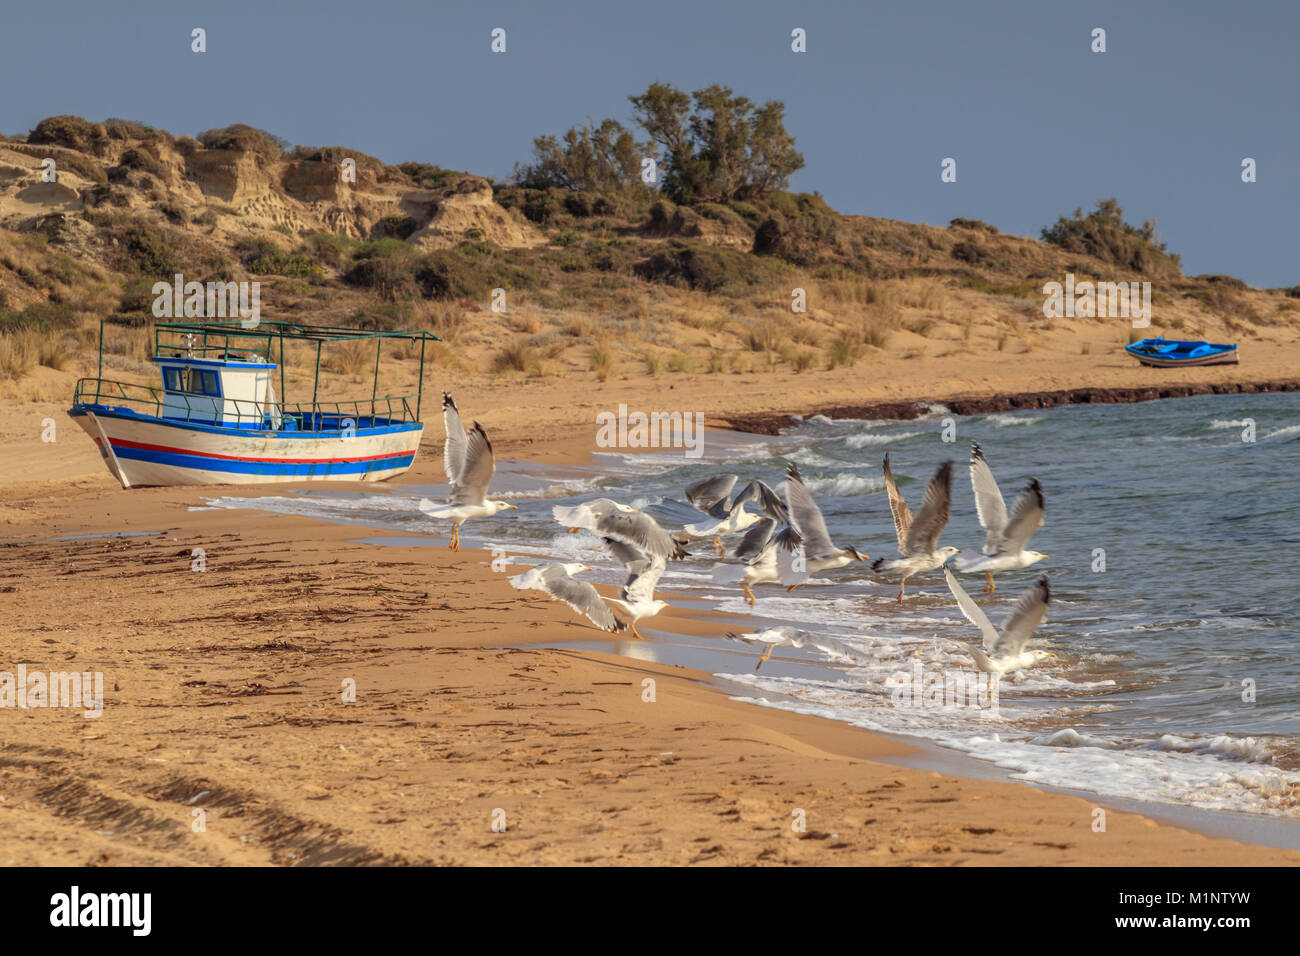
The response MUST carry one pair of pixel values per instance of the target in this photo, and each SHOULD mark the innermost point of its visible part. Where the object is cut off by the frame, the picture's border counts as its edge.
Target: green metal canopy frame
(220, 339)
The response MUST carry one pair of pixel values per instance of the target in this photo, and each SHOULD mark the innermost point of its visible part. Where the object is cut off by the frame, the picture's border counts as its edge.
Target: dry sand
(223, 695)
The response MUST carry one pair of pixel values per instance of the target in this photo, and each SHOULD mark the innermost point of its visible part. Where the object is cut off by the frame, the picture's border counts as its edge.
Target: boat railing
(244, 413)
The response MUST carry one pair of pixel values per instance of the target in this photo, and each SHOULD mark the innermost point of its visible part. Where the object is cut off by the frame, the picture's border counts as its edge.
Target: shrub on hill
(1103, 234)
(245, 139)
(706, 268)
(72, 132)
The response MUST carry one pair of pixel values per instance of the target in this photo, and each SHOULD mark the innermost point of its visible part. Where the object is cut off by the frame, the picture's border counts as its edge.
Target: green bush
(397, 226)
(41, 317)
(245, 139)
(707, 268)
(70, 131)
(1103, 234)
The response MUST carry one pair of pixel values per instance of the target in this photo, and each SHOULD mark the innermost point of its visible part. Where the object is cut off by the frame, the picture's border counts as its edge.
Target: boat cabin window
(192, 380)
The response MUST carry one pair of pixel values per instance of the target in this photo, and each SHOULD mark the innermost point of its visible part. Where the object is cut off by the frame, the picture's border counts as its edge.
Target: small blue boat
(1171, 353)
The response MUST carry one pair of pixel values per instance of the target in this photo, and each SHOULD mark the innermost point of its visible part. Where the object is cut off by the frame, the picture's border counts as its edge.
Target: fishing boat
(1172, 353)
(217, 417)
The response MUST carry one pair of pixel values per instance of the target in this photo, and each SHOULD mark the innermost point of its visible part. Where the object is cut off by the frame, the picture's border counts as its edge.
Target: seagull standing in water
(727, 514)
(469, 464)
(820, 552)
(1005, 537)
(1003, 653)
(556, 580)
(918, 538)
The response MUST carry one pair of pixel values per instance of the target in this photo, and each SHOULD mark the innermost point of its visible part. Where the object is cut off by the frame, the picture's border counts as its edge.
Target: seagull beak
(513, 507)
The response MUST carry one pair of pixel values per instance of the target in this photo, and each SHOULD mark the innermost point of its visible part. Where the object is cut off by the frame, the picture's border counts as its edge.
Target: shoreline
(771, 423)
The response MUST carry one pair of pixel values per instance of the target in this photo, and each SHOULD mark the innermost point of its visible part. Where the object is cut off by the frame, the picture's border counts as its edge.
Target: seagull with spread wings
(918, 537)
(727, 513)
(556, 580)
(469, 464)
(609, 519)
(820, 552)
(644, 571)
(1005, 537)
(1004, 651)
(775, 637)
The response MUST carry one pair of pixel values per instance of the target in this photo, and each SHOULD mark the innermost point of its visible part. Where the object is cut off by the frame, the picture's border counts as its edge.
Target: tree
(592, 158)
(726, 149)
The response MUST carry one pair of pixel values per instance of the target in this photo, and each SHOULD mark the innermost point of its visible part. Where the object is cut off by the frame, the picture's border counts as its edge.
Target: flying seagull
(726, 513)
(609, 519)
(1005, 538)
(775, 637)
(820, 552)
(767, 554)
(469, 464)
(556, 580)
(918, 537)
(1005, 652)
(644, 571)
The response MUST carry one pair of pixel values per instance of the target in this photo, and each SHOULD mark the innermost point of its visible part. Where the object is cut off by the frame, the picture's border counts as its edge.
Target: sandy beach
(224, 699)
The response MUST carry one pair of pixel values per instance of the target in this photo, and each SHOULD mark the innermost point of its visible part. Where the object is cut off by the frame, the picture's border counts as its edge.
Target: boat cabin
(229, 391)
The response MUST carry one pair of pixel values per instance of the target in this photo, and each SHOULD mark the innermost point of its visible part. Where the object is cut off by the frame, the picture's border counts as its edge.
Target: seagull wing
(640, 530)
(971, 610)
(1026, 517)
(641, 583)
(806, 518)
(453, 453)
(902, 513)
(769, 502)
(579, 595)
(923, 536)
(990, 507)
(1026, 617)
(471, 486)
(755, 541)
(707, 493)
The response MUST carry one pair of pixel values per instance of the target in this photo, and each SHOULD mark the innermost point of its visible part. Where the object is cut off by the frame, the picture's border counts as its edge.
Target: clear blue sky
(1038, 124)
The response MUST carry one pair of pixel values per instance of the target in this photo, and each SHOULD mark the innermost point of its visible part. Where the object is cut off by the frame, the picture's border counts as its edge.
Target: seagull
(820, 551)
(1005, 538)
(727, 513)
(775, 637)
(609, 519)
(556, 580)
(469, 464)
(1005, 652)
(644, 571)
(761, 550)
(918, 538)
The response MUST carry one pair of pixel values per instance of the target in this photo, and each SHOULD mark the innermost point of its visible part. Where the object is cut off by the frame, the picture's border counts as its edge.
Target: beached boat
(217, 418)
(1171, 353)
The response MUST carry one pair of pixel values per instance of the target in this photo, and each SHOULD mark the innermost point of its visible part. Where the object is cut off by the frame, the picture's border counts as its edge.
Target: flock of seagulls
(785, 541)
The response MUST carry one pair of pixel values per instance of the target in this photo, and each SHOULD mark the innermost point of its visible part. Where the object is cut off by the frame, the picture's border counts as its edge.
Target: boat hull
(1177, 353)
(1225, 358)
(143, 450)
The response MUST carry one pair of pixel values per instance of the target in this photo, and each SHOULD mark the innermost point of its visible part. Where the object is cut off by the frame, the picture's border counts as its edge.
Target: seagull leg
(574, 530)
(900, 590)
(989, 586)
(718, 549)
(636, 633)
(454, 543)
(791, 588)
(749, 595)
(766, 654)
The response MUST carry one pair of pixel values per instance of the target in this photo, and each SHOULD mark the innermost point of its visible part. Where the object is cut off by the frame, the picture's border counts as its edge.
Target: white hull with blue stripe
(145, 450)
